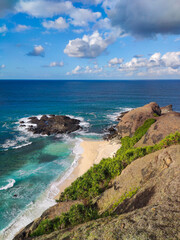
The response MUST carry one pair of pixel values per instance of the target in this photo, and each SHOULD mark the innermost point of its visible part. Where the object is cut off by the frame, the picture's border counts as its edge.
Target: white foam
(23, 140)
(113, 116)
(82, 123)
(46, 200)
(10, 184)
(33, 211)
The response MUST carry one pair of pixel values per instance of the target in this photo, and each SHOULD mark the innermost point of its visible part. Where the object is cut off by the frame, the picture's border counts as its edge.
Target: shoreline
(93, 151)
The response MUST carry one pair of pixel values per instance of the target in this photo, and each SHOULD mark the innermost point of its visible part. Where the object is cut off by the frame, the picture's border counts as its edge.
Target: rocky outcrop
(50, 213)
(166, 109)
(153, 213)
(53, 124)
(165, 124)
(132, 120)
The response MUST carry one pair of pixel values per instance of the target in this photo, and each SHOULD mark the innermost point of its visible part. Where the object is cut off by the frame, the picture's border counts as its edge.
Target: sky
(90, 39)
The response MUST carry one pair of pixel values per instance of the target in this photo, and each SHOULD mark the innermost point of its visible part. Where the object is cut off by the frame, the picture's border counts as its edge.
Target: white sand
(93, 153)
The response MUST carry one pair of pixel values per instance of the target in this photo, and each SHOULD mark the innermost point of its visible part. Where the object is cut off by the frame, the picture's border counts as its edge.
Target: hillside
(134, 195)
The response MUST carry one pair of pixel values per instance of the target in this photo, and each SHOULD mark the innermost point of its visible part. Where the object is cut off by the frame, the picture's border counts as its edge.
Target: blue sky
(93, 39)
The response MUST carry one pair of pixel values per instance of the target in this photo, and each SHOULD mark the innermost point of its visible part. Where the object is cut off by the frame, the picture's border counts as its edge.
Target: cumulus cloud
(157, 64)
(145, 18)
(21, 28)
(115, 61)
(86, 70)
(37, 51)
(3, 29)
(49, 8)
(43, 8)
(90, 46)
(58, 24)
(55, 64)
(81, 17)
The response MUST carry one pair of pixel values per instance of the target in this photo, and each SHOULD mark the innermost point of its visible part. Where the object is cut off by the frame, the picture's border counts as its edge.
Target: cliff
(134, 195)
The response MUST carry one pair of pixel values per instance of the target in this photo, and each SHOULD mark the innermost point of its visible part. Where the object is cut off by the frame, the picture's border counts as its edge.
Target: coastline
(92, 153)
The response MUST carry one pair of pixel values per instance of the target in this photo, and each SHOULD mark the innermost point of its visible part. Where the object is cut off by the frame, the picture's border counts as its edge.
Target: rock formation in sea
(52, 124)
(133, 195)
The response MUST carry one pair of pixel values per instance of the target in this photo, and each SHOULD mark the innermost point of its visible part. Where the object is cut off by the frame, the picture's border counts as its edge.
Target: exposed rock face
(165, 124)
(132, 120)
(166, 109)
(53, 124)
(153, 213)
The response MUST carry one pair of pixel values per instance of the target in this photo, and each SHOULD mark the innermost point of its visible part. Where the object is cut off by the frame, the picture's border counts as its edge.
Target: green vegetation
(77, 214)
(155, 115)
(97, 178)
(125, 196)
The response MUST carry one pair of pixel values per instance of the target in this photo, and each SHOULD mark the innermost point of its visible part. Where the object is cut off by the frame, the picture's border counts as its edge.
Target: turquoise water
(31, 165)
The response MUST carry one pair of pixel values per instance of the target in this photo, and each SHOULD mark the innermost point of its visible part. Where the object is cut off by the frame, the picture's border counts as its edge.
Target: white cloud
(169, 64)
(74, 71)
(3, 29)
(115, 61)
(103, 23)
(2, 66)
(59, 24)
(86, 70)
(56, 64)
(90, 46)
(78, 31)
(81, 17)
(21, 28)
(37, 51)
(43, 8)
(145, 18)
(51, 8)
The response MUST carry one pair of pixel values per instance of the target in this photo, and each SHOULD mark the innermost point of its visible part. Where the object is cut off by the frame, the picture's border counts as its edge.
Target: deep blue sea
(32, 166)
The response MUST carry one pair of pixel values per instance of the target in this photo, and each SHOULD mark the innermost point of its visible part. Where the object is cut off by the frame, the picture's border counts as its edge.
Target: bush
(97, 178)
(77, 214)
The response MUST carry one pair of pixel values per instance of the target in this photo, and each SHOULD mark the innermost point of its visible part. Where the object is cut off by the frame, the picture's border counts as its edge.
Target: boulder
(132, 120)
(165, 124)
(53, 124)
(166, 109)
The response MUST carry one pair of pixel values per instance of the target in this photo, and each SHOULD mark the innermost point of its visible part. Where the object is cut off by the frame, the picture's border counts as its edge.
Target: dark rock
(166, 109)
(121, 115)
(132, 120)
(53, 124)
(112, 133)
(21, 122)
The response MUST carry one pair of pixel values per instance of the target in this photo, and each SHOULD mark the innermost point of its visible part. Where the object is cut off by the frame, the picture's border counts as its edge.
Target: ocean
(31, 166)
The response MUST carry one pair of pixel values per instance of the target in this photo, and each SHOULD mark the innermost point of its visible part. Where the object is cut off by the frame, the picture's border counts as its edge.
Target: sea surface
(32, 166)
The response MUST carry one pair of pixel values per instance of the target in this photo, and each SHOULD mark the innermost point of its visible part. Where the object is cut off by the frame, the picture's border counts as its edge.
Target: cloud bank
(145, 18)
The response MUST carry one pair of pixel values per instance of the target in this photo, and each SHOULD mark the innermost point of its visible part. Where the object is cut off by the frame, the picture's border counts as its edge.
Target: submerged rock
(53, 124)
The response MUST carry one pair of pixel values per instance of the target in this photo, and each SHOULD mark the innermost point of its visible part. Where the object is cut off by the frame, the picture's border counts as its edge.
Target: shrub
(97, 178)
(77, 214)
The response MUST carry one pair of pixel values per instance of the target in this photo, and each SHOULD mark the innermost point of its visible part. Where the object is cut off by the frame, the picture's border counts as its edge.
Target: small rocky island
(52, 124)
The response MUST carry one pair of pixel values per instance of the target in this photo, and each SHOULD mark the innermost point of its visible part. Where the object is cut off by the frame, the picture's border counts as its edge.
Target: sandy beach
(93, 153)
